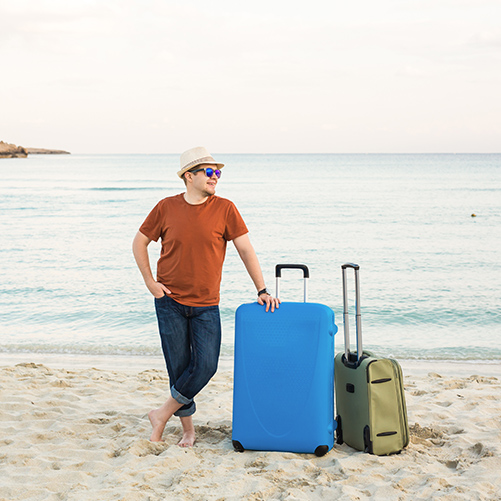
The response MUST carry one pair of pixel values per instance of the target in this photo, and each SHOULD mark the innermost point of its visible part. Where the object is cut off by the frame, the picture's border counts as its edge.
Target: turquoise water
(430, 273)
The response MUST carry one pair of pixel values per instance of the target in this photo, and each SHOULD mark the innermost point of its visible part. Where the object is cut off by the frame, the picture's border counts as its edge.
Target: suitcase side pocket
(401, 402)
(385, 408)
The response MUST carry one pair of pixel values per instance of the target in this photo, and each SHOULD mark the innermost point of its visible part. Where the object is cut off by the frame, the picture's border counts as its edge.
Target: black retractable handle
(306, 276)
(358, 316)
(350, 265)
(280, 267)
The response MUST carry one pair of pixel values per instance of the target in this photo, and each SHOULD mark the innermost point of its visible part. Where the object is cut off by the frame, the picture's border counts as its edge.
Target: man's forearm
(140, 251)
(248, 256)
(251, 262)
(253, 268)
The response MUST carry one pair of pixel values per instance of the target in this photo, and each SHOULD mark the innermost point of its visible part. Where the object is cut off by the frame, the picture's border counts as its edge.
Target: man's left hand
(270, 301)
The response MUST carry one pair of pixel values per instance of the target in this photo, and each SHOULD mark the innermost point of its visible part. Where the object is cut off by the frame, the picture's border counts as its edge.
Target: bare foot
(157, 424)
(188, 439)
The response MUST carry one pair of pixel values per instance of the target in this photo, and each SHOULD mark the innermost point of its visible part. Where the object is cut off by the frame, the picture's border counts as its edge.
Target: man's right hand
(157, 289)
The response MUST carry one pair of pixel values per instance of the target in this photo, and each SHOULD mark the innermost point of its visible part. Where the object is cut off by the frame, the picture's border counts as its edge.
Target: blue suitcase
(283, 393)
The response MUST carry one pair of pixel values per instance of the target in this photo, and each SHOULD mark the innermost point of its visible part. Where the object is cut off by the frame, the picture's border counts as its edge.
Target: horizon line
(307, 153)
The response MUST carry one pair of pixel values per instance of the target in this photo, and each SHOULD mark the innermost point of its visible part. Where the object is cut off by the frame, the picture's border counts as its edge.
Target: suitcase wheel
(321, 450)
(238, 446)
(339, 431)
(367, 440)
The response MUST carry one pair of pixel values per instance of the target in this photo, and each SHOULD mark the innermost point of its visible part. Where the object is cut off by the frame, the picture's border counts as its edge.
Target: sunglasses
(209, 171)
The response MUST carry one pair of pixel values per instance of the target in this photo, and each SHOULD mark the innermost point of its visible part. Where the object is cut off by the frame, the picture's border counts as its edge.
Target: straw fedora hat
(196, 156)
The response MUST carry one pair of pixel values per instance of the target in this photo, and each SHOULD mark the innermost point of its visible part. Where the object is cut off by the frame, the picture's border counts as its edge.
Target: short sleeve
(152, 226)
(235, 225)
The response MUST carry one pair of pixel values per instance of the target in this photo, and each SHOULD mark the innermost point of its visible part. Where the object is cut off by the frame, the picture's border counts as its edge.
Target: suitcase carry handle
(306, 276)
(358, 316)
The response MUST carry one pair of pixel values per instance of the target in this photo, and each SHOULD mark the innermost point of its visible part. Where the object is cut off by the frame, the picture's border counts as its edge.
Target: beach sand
(81, 433)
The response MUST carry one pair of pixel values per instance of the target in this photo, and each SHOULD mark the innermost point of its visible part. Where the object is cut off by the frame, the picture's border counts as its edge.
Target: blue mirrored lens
(209, 172)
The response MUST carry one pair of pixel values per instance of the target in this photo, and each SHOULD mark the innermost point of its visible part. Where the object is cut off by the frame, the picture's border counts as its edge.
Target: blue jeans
(191, 341)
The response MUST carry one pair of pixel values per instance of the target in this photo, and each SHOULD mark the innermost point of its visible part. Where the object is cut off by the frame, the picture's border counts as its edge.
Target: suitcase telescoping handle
(306, 275)
(358, 316)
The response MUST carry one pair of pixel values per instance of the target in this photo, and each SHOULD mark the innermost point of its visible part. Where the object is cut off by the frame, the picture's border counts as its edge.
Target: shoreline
(132, 364)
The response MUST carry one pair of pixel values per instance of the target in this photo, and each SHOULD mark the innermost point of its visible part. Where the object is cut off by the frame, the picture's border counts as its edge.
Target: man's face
(204, 184)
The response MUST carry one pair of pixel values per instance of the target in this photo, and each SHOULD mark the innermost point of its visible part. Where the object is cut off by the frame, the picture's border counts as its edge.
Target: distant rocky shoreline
(12, 151)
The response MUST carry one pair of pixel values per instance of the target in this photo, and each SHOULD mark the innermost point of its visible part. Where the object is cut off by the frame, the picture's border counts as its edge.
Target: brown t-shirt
(193, 245)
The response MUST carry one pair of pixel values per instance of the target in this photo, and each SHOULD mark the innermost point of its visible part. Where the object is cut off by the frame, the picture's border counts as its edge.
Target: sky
(275, 76)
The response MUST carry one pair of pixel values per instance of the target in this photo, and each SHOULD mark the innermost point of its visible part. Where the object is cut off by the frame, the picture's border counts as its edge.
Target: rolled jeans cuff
(189, 406)
(186, 412)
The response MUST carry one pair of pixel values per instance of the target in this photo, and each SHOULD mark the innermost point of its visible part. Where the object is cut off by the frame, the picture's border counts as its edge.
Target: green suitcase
(370, 400)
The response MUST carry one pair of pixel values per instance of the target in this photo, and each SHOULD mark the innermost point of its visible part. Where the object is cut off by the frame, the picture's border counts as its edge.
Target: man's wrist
(263, 291)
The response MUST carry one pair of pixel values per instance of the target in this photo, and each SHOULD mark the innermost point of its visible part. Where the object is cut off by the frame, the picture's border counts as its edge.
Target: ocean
(430, 271)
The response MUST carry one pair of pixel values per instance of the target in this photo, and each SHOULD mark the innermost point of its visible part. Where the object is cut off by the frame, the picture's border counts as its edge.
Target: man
(194, 227)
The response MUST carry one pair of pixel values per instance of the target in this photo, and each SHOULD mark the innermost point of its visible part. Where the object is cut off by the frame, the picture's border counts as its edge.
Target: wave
(477, 354)
(438, 316)
(114, 188)
(75, 349)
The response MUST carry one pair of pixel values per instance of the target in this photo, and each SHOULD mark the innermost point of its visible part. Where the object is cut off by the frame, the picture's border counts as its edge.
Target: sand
(82, 434)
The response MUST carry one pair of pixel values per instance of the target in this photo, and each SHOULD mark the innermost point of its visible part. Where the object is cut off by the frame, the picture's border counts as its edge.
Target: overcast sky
(139, 76)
